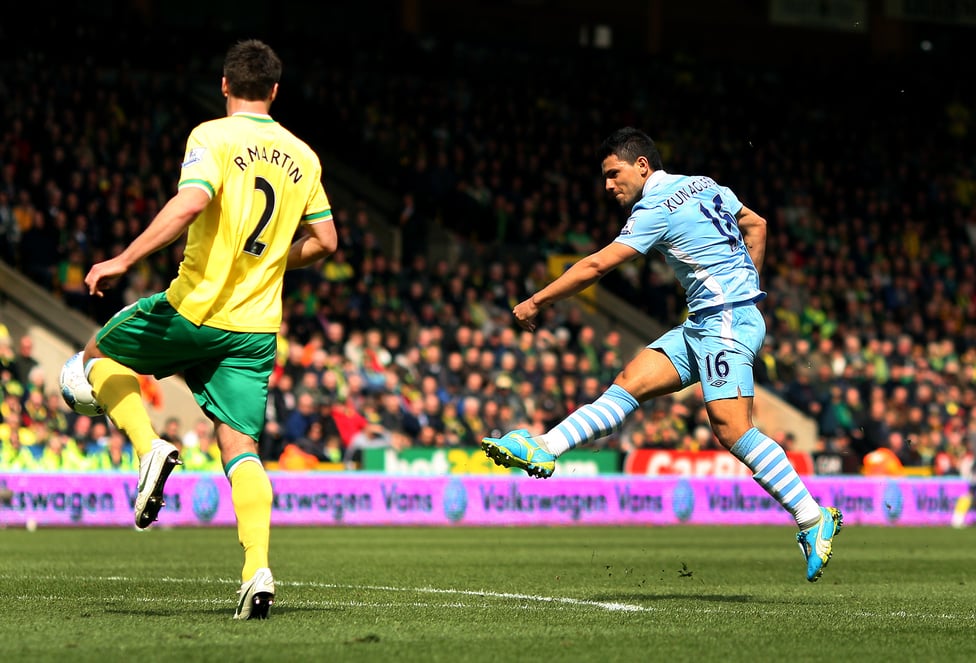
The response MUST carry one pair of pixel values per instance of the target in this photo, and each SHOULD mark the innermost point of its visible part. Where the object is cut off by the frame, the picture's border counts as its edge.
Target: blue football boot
(518, 449)
(816, 542)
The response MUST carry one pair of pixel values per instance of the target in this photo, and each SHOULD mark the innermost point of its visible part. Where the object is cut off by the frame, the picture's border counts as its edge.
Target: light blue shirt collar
(653, 181)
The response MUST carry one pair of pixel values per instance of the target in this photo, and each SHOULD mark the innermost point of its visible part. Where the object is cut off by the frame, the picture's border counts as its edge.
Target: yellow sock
(117, 388)
(251, 495)
(961, 511)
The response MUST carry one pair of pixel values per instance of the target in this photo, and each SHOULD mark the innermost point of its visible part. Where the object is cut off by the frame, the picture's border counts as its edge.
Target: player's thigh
(149, 337)
(724, 347)
(651, 373)
(233, 444)
(232, 385)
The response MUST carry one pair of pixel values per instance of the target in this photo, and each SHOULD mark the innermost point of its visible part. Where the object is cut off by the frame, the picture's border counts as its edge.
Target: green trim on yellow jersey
(205, 183)
(256, 118)
(326, 215)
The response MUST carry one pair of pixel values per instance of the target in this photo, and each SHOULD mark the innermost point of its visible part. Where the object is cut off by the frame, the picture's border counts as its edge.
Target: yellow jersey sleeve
(263, 183)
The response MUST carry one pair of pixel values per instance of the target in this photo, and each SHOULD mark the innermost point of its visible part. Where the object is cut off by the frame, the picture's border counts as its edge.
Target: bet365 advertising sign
(436, 462)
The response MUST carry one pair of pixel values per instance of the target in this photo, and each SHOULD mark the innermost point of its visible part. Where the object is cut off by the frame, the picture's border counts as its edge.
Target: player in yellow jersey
(246, 186)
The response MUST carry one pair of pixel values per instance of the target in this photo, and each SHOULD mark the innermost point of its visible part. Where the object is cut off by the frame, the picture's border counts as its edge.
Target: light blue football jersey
(691, 220)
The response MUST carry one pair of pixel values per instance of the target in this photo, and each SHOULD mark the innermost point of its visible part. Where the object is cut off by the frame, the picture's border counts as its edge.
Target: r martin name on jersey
(272, 156)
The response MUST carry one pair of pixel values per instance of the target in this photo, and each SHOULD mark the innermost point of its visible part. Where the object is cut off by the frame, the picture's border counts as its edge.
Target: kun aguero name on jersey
(681, 196)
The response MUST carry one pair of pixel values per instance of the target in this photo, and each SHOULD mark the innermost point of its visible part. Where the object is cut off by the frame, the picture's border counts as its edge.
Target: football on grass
(76, 390)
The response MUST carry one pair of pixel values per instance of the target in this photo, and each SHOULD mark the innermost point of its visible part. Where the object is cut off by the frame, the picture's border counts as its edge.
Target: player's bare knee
(727, 436)
(232, 443)
(728, 430)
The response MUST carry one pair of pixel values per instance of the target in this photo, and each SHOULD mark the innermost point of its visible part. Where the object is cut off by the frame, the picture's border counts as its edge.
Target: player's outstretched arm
(171, 222)
(577, 278)
(753, 229)
(320, 241)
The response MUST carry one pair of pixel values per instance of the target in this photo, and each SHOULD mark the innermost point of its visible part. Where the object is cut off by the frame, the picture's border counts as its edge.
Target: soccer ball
(76, 390)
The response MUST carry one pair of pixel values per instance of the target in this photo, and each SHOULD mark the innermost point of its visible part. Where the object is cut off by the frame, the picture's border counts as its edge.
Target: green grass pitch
(468, 594)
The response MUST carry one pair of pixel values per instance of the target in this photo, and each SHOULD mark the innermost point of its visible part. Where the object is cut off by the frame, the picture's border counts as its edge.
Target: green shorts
(227, 371)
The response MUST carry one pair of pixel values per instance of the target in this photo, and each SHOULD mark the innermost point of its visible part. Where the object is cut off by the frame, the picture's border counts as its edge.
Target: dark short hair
(251, 68)
(629, 144)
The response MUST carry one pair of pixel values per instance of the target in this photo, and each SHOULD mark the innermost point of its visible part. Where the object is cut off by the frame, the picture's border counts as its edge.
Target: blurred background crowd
(865, 175)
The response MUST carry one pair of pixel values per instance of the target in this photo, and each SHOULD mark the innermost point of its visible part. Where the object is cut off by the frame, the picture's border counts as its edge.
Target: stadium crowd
(872, 292)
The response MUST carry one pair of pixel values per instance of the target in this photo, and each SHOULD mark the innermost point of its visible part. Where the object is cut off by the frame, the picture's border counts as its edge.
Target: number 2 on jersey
(252, 245)
(723, 221)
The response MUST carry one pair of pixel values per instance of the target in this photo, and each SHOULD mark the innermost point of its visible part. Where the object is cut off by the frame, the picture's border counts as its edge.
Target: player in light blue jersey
(715, 245)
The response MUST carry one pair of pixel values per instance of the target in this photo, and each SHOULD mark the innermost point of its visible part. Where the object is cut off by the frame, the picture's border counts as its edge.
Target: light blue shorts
(718, 349)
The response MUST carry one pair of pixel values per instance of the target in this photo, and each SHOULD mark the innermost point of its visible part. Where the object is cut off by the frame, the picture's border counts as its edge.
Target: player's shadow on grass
(217, 611)
(716, 598)
(172, 612)
(161, 612)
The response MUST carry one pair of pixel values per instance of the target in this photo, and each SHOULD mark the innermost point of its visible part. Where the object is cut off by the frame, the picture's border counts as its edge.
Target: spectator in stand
(204, 456)
(9, 230)
(33, 407)
(172, 431)
(903, 449)
(370, 436)
(202, 430)
(472, 424)
(272, 441)
(281, 396)
(348, 419)
(116, 456)
(876, 430)
(14, 455)
(428, 437)
(80, 430)
(312, 442)
(70, 280)
(60, 452)
(395, 415)
(8, 358)
(301, 418)
(25, 361)
(39, 250)
(309, 385)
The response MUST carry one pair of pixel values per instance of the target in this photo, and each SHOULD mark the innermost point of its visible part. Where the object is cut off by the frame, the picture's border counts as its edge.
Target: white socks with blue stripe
(590, 422)
(773, 471)
(770, 467)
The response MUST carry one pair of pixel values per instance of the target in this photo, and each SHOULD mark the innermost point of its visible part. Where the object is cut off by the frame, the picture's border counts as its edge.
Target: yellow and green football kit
(216, 322)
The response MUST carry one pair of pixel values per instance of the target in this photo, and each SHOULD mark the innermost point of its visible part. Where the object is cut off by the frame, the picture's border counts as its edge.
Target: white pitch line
(612, 606)
(551, 601)
(902, 614)
(302, 603)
